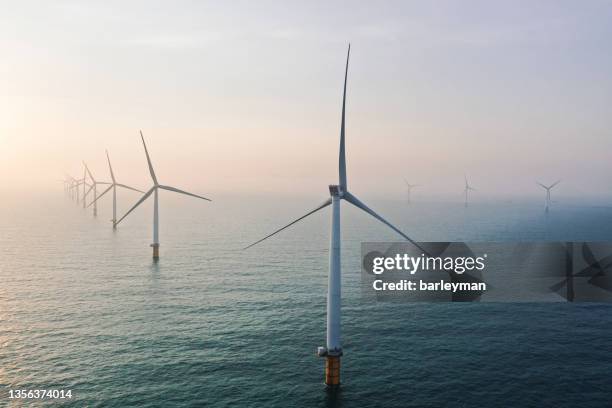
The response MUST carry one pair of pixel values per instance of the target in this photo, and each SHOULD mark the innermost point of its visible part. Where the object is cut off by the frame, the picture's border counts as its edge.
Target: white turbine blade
(89, 172)
(357, 203)
(110, 167)
(148, 160)
(325, 204)
(90, 188)
(100, 196)
(342, 158)
(555, 183)
(129, 188)
(176, 190)
(144, 197)
(541, 185)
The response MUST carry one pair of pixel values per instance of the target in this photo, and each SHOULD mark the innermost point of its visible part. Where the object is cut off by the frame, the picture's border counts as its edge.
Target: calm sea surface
(83, 307)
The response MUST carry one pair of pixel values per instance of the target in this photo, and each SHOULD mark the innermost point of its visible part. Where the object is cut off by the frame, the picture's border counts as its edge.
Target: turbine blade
(342, 158)
(557, 286)
(325, 204)
(100, 196)
(148, 160)
(541, 185)
(110, 167)
(357, 203)
(89, 172)
(90, 188)
(554, 184)
(176, 190)
(129, 188)
(144, 197)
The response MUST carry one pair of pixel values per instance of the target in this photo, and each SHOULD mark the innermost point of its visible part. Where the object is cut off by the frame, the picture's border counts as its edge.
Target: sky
(245, 97)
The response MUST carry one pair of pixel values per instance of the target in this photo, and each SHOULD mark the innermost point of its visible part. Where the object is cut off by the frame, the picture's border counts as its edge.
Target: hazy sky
(246, 96)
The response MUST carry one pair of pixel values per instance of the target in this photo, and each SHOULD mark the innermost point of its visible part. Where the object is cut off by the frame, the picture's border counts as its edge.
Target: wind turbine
(466, 189)
(333, 349)
(76, 183)
(71, 181)
(410, 187)
(114, 186)
(94, 187)
(84, 185)
(547, 188)
(154, 190)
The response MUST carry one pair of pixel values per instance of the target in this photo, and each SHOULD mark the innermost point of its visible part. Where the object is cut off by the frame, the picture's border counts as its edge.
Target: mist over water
(83, 307)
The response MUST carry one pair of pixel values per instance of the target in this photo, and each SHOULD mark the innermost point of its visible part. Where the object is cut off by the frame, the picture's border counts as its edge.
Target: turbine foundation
(155, 251)
(332, 371)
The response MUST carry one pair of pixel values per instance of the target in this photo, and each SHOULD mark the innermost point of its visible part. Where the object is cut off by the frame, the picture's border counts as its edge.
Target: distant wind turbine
(153, 190)
(84, 185)
(548, 188)
(333, 349)
(410, 187)
(114, 186)
(93, 186)
(76, 189)
(467, 188)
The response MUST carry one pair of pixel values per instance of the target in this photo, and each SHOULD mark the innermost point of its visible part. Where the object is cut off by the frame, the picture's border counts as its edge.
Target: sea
(84, 308)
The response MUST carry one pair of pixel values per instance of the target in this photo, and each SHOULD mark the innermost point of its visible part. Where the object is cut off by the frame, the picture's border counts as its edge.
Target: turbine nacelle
(336, 191)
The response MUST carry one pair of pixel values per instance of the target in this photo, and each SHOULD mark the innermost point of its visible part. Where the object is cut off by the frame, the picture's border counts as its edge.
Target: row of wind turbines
(79, 189)
(88, 184)
(468, 187)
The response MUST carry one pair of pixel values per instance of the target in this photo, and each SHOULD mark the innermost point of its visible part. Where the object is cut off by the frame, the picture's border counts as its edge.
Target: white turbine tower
(467, 188)
(333, 349)
(154, 190)
(548, 188)
(93, 186)
(409, 189)
(113, 186)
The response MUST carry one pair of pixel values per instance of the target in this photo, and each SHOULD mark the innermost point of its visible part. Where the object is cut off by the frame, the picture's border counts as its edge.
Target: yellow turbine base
(155, 251)
(332, 371)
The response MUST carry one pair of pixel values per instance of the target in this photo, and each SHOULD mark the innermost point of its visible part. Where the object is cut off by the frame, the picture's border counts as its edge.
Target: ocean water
(83, 307)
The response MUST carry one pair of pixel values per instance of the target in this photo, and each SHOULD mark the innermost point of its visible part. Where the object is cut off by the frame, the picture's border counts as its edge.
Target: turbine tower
(410, 187)
(94, 187)
(466, 189)
(154, 190)
(113, 186)
(333, 350)
(547, 188)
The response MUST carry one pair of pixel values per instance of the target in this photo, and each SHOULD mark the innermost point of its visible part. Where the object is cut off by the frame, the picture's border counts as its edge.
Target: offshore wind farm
(455, 124)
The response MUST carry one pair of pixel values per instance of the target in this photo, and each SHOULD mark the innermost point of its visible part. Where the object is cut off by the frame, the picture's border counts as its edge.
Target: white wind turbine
(85, 185)
(410, 187)
(467, 188)
(76, 189)
(333, 349)
(548, 188)
(93, 186)
(154, 190)
(113, 186)
(69, 186)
